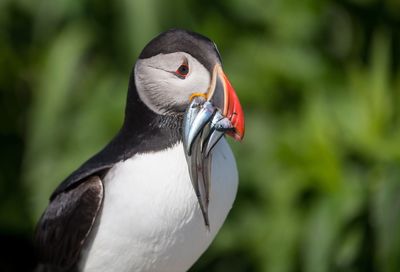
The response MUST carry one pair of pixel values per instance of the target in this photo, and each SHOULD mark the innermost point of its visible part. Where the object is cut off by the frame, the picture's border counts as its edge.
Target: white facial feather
(161, 89)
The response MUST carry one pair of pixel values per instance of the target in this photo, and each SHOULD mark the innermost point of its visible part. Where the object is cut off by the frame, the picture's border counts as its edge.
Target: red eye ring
(182, 71)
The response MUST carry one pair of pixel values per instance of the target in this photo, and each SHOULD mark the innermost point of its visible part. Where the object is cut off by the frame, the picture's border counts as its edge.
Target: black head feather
(179, 40)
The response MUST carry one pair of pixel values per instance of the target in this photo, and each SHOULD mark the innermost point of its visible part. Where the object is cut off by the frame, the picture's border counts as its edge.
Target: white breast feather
(151, 220)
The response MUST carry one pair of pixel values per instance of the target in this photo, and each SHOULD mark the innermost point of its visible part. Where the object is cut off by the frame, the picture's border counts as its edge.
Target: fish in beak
(208, 118)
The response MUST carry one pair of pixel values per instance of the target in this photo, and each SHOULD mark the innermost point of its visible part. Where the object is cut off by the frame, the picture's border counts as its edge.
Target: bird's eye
(182, 71)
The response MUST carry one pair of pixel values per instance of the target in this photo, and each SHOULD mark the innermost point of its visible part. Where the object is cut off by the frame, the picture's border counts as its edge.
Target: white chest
(151, 220)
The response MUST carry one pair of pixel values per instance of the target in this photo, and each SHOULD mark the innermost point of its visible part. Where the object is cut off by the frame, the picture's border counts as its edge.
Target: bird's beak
(222, 95)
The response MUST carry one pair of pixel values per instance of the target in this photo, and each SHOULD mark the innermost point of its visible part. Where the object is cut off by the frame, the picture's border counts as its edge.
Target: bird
(135, 205)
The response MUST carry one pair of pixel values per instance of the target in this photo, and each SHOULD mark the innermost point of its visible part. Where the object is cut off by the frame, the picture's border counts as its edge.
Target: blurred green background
(319, 81)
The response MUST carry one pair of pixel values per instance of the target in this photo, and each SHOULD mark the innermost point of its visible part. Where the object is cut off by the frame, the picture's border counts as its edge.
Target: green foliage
(320, 85)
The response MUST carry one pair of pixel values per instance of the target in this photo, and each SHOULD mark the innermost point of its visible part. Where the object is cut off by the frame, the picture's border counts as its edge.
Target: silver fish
(203, 127)
(202, 118)
(190, 115)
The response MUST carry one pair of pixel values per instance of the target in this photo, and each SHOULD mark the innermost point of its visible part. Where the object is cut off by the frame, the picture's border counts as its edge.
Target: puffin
(154, 198)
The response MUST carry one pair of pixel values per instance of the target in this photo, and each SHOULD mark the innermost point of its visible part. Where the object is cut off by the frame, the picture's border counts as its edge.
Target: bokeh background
(319, 81)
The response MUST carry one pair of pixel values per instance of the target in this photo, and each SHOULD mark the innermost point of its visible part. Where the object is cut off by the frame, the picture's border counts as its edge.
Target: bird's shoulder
(66, 223)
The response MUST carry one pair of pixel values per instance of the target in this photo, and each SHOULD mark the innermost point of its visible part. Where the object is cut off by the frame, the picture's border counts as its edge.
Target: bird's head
(178, 65)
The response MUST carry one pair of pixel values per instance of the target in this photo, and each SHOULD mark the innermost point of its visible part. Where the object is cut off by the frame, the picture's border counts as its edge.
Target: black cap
(180, 40)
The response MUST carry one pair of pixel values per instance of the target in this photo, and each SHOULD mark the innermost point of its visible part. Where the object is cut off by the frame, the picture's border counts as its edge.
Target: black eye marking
(182, 70)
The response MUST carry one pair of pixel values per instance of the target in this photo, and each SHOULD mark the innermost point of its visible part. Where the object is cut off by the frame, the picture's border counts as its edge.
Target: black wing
(67, 222)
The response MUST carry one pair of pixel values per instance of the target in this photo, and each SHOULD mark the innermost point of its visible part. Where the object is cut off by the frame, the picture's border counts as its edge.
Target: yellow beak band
(193, 95)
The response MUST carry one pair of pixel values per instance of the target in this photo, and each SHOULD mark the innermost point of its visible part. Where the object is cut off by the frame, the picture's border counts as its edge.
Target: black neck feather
(144, 130)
